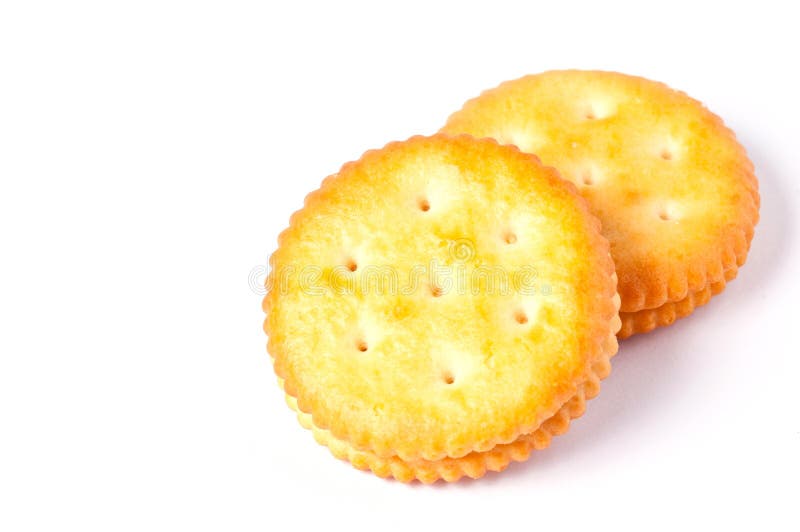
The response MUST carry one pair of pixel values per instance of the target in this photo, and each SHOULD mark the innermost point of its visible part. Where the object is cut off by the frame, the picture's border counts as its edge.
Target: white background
(150, 153)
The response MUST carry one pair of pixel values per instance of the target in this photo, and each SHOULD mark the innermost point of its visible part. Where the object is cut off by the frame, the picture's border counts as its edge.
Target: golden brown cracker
(439, 371)
(675, 191)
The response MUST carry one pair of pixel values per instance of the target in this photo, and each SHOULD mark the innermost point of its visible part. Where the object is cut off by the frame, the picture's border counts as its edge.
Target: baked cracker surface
(477, 463)
(675, 191)
(432, 369)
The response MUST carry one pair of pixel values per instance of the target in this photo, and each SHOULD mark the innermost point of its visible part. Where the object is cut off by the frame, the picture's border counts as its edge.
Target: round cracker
(429, 370)
(674, 190)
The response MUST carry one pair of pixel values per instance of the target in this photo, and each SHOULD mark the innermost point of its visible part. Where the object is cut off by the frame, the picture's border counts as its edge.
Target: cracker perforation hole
(423, 204)
(666, 154)
(664, 215)
(510, 237)
(520, 317)
(597, 109)
(448, 378)
(586, 178)
(436, 291)
(351, 265)
(362, 346)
